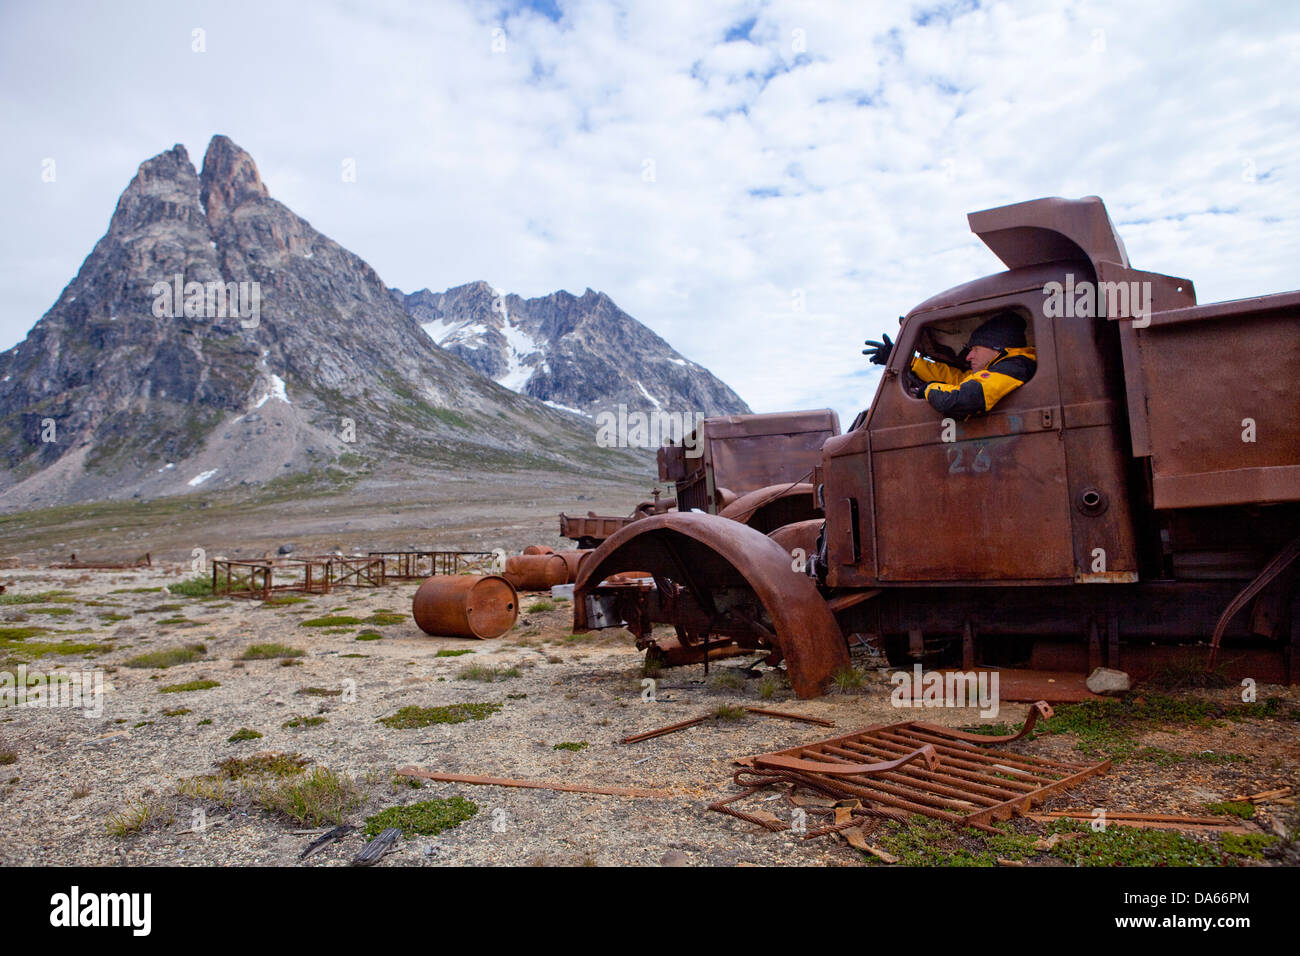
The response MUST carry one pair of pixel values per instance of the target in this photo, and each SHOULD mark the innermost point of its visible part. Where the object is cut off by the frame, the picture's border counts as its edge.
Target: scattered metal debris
(670, 729)
(530, 784)
(1277, 795)
(683, 724)
(785, 715)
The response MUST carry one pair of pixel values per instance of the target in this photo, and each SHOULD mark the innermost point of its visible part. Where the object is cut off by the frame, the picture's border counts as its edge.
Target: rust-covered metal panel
(984, 499)
(992, 510)
(736, 454)
(1091, 379)
(1166, 292)
(715, 576)
(766, 509)
(593, 526)
(1049, 230)
(748, 452)
(800, 536)
(848, 495)
(1220, 396)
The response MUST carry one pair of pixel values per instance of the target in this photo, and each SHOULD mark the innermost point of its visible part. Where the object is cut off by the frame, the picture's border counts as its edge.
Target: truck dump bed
(1214, 400)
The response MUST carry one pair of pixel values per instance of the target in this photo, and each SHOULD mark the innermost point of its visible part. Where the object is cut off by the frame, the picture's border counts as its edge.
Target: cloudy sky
(708, 165)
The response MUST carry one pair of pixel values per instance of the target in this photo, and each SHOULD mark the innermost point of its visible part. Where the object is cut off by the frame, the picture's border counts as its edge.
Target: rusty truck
(730, 462)
(1136, 501)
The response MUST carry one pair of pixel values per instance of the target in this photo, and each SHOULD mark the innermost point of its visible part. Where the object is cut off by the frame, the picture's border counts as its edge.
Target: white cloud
(844, 170)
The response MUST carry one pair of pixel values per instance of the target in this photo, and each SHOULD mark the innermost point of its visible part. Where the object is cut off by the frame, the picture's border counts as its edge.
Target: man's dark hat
(1006, 330)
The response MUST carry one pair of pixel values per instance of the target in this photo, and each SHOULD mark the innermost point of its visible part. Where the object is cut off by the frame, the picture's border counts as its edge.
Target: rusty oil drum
(466, 605)
(571, 561)
(536, 572)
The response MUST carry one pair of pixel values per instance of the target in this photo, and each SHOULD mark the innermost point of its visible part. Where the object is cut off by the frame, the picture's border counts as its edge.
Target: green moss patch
(427, 818)
(1251, 845)
(302, 722)
(37, 597)
(332, 620)
(1131, 846)
(243, 733)
(169, 657)
(1232, 808)
(923, 841)
(262, 652)
(410, 717)
(188, 686)
(21, 633)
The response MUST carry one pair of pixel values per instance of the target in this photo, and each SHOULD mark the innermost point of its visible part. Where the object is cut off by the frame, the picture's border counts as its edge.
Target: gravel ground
(71, 773)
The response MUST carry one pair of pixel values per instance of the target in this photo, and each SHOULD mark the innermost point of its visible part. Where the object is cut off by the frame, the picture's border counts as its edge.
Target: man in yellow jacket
(1000, 362)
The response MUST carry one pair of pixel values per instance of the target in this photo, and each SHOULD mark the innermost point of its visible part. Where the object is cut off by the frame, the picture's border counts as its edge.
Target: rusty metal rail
(958, 781)
(418, 565)
(257, 578)
(411, 771)
(357, 572)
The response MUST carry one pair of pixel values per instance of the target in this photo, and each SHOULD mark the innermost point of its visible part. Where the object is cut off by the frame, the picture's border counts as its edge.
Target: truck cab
(1036, 490)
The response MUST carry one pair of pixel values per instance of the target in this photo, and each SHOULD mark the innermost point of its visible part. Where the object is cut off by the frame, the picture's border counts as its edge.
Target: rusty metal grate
(927, 769)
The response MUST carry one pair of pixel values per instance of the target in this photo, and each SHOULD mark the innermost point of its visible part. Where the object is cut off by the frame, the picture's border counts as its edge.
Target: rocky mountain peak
(164, 187)
(213, 339)
(579, 353)
(230, 178)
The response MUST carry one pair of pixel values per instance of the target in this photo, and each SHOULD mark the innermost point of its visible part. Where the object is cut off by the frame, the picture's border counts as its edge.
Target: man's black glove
(879, 351)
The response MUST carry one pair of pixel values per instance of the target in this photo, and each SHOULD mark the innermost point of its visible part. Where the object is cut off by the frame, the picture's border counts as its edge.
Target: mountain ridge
(579, 353)
(114, 394)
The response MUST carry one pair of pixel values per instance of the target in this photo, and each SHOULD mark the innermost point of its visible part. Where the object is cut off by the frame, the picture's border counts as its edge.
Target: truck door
(981, 500)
